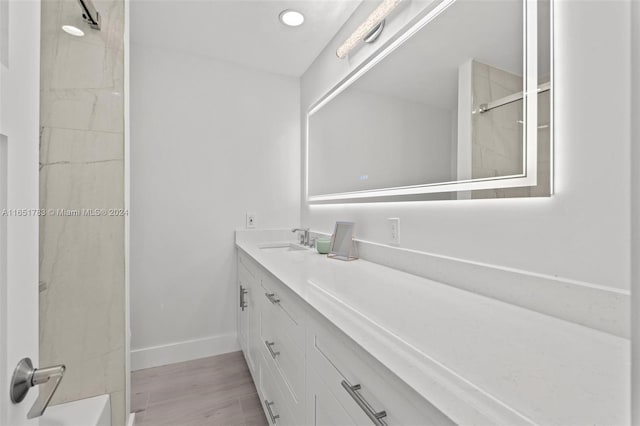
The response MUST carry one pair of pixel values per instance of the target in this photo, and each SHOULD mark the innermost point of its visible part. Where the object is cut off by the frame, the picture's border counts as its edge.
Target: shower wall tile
(112, 20)
(82, 298)
(72, 146)
(497, 133)
(82, 65)
(88, 109)
(95, 61)
(81, 186)
(66, 12)
(497, 148)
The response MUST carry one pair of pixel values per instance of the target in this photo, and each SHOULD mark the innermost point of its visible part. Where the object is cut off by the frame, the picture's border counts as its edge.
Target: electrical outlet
(394, 230)
(251, 220)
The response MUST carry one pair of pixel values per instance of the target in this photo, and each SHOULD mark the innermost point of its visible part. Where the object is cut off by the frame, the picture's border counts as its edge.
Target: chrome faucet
(305, 235)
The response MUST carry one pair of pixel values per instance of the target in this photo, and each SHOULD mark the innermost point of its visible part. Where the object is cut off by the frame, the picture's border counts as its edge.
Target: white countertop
(479, 360)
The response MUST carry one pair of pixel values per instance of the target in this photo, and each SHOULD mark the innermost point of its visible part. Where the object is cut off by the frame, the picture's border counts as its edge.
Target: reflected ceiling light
(291, 18)
(369, 29)
(74, 31)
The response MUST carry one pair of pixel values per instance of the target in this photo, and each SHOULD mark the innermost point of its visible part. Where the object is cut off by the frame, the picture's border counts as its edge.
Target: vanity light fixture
(291, 18)
(370, 29)
(74, 31)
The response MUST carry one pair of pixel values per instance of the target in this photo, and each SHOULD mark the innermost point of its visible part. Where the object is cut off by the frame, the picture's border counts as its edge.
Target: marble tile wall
(497, 134)
(82, 263)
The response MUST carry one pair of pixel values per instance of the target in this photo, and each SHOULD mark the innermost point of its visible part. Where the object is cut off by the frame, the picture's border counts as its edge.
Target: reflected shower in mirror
(445, 106)
(497, 121)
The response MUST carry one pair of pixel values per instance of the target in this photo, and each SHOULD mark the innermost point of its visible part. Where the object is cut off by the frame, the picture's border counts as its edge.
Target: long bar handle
(274, 417)
(273, 353)
(375, 416)
(272, 298)
(243, 303)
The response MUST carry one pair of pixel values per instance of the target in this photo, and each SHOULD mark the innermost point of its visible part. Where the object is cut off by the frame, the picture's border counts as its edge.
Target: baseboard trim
(132, 419)
(155, 356)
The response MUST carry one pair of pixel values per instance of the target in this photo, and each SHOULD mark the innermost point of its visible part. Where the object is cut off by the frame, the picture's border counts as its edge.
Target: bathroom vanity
(338, 343)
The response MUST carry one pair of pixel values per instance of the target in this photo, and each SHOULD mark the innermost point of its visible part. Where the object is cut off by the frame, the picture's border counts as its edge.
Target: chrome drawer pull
(273, 353)
(272, 298)
(273, 417)
(376, 417)
(243, 303)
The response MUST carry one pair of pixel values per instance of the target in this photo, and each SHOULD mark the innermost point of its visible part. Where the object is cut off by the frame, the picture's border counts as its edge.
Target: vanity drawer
(287, 360)
(287, 312)
(284, 357)
(363, 386)
(273, 402)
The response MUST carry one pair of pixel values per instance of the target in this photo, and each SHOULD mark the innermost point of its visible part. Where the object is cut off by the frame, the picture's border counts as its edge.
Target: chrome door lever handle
(25, 377)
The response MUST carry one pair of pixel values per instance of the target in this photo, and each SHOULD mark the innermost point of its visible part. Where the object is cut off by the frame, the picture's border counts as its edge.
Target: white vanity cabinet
(307, 371)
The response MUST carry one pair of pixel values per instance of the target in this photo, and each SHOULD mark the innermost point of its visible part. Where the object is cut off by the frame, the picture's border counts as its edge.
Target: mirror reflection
(445, 106)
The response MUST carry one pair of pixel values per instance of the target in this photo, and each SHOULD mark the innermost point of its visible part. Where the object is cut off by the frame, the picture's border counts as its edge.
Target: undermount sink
(283, 246)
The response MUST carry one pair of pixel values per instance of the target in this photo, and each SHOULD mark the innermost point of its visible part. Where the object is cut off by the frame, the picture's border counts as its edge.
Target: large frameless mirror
(456, 107)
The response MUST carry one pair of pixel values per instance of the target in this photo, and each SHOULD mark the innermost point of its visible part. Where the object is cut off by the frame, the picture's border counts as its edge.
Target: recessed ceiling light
(74, 31)
(291, 18)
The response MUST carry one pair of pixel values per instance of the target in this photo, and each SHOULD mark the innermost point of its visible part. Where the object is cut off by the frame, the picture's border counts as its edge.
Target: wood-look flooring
(215, 391)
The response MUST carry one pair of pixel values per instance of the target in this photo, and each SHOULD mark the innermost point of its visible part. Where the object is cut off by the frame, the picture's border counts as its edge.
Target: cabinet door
(325, 408)
(243, 308)
(248, 287)
(251, 325)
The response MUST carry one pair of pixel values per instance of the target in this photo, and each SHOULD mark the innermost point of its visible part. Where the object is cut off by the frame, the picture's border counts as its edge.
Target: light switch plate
(394, 230)
(251, 220)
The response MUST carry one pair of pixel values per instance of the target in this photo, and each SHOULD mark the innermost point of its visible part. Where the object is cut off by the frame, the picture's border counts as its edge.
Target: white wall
(210, 141)
(582, 232)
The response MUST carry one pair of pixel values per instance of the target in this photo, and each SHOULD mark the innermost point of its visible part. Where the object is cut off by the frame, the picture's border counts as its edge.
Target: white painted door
(19, 141)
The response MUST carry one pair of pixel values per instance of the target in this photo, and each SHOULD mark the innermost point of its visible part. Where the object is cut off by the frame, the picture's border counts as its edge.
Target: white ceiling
(246, 32)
